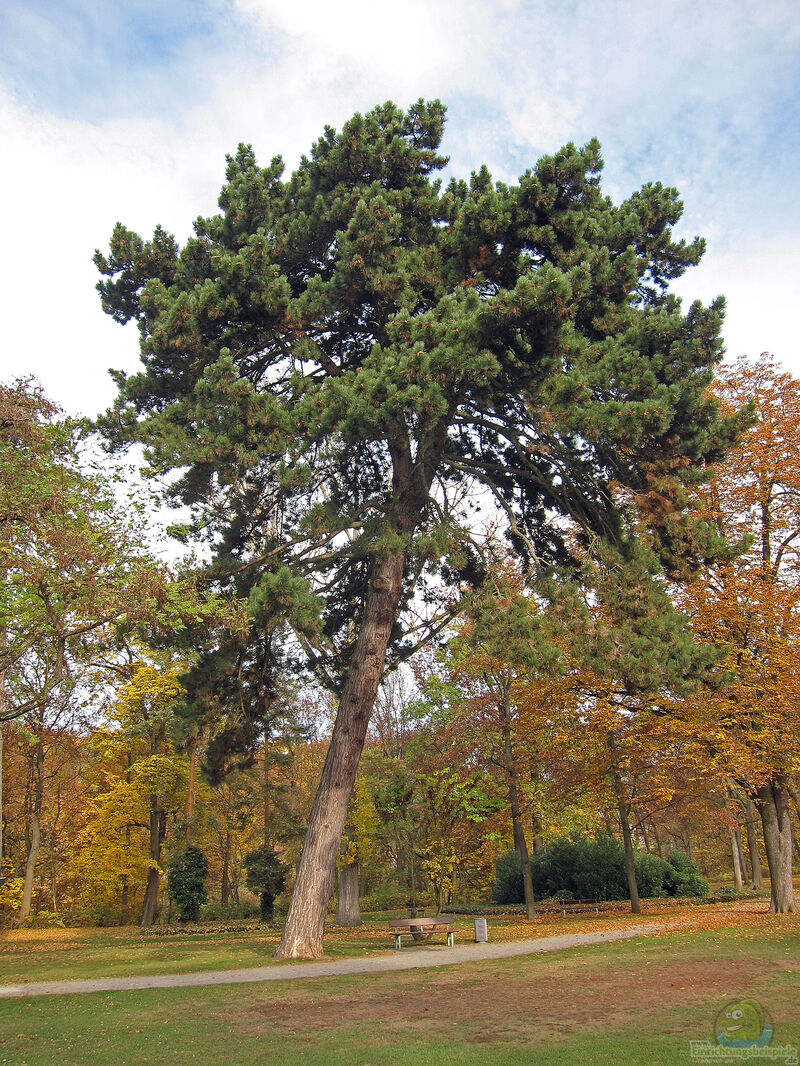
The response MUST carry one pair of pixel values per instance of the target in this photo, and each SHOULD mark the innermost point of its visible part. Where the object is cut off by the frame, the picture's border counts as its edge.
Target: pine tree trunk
(752, 845)
(520, 843)
(772, 802)
(305, 922)
(35, 832)
(348, 912)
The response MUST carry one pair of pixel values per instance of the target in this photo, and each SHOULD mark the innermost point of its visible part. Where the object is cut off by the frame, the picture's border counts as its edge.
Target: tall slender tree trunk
(305, 922)
(190, 790)
(348, 912)
(34, 842)
(157, 829)
(657, 838)
(125, 902)
(772, 803)
(2, 737)
(520, 842)
(538, 832)
(265, 784)
(752, 844)
(625, 826)
(226, 863)
(736, 855)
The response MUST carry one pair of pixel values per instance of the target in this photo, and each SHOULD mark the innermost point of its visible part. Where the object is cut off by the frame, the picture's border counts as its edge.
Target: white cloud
(696, 95)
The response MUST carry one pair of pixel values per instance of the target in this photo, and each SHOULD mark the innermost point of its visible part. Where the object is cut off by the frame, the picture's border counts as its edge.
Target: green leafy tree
(333, 358)
(186, 882)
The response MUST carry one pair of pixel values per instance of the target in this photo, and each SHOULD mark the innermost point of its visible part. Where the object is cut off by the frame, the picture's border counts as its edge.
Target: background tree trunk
(625, 826)
(305, 922)
(520, 843)
(752, 844)
(157, 829)
(34, 842)
(772, 802)
(226, 862)
(736, 855)
(348, 912)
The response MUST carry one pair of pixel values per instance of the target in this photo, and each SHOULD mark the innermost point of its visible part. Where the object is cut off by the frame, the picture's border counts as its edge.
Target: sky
(125, 111)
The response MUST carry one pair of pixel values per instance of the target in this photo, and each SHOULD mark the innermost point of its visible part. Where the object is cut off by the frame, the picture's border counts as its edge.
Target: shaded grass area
(630, 1001)
(66, 954)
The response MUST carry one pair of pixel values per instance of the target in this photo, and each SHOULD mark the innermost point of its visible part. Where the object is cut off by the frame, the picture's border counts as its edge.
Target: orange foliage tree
(749, 606)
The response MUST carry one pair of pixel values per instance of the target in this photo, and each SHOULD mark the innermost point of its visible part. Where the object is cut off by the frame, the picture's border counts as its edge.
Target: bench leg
(451, 941)
(398, 942)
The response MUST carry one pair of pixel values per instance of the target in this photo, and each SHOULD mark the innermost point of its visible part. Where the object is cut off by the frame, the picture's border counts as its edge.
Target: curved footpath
(413, 958)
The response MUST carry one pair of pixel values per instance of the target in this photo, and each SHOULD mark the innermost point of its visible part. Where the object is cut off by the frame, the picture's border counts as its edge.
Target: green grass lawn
(633, 1001)
(63, 954)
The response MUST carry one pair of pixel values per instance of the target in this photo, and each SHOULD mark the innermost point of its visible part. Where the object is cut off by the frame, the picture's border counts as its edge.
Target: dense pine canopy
(342, 350)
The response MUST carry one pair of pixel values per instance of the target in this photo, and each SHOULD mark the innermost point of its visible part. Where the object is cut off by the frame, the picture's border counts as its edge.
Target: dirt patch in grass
(492, 1006)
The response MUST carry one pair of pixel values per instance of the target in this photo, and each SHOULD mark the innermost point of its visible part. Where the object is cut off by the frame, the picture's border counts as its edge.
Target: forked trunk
(347, 910)
(772, 802)
(305, 922)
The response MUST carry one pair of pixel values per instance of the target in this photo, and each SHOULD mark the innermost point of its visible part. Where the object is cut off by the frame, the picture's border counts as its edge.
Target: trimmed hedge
(594, 868)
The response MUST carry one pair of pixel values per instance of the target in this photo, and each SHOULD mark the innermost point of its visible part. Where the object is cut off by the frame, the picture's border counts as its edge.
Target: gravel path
(412, 958)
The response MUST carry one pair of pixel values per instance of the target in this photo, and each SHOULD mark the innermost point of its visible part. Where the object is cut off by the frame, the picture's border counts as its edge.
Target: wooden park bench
(421, 929)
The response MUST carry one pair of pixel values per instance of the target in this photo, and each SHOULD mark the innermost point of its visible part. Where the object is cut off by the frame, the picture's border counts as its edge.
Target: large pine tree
(333, 359)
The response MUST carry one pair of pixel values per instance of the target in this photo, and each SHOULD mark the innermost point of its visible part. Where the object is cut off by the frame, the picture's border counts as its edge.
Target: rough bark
(520, 843)
(348, 912)
(305, 922)
(34, 840)
(772, 803)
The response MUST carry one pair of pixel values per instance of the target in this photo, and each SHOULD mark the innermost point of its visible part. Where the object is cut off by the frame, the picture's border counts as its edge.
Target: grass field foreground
(69, 954)
(633, 1001)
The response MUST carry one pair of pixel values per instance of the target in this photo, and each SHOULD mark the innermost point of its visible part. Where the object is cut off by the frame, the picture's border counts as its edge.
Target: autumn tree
(504, 644)
(749, 607)
(332, 358)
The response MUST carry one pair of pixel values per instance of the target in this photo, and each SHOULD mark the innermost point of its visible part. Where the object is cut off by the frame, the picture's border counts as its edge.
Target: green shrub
(688, 881)
(507, 887)
(186, 882)
(44, 920)
(215, 912)
(594, 868)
